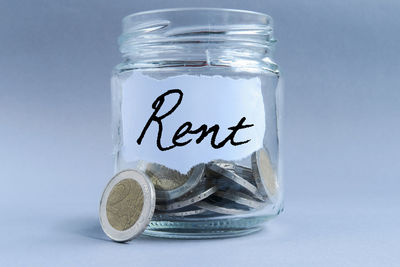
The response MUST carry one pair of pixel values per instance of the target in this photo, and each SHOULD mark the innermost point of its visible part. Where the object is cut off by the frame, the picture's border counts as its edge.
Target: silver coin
(219, 209)
(227, 173)
(265, 175)
(242, 171)
(241, 199)
(127, 205)
(171, 184)
(195, 196)
(183, 213)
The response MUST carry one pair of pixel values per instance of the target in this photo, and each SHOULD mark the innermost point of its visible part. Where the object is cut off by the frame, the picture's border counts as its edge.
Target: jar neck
(197, 38)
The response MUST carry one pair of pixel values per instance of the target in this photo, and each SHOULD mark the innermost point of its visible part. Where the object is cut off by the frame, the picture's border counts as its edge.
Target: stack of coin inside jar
(213, 189)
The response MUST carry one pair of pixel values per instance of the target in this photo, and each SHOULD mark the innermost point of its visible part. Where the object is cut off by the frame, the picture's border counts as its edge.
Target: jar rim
(185, 9)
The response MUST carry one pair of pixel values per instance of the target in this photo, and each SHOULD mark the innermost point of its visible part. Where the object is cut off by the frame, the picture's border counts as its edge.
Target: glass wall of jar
(195, 108)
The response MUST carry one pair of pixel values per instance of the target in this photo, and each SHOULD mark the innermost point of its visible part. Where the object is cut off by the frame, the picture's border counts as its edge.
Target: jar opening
(196, 34)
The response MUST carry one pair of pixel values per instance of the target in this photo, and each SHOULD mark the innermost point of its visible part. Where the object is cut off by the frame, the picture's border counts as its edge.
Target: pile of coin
(153, 191)
(214, 189)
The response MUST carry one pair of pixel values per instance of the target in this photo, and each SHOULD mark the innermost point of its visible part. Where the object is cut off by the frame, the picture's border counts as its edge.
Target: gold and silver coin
(171, 184)
(265, 175)
(127, 205)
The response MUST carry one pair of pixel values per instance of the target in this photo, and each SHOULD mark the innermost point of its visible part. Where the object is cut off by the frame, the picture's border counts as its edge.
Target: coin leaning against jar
(127, 205)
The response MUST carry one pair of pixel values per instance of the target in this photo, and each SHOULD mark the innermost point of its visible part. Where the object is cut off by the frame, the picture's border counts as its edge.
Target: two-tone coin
(127, 205)
(264, 175)
(171, 184)
(222, 170)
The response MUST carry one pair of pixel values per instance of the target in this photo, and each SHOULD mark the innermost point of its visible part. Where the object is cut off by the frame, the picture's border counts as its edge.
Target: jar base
(206, 228)
(201, 234)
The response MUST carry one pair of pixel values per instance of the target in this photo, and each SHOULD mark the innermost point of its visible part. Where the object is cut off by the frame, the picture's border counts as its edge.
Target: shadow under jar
(195, 109)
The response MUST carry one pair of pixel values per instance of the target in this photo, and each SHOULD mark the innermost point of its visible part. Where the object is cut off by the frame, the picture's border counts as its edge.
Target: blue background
(341, 65)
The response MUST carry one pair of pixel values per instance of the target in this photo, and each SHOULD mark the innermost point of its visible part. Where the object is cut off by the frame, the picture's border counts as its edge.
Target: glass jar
(195, 108)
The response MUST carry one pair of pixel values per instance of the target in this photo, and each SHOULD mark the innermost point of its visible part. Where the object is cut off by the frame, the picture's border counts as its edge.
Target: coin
(245, 172)
(203, 191)
(223, 170)
(242, 171)
(171, 184)
(127, 205)
(219, 209)
(240, 198)
(182, 213)
(264, 175)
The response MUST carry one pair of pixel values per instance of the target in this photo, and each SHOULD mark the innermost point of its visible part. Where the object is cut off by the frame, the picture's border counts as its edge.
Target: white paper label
(230, 110)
